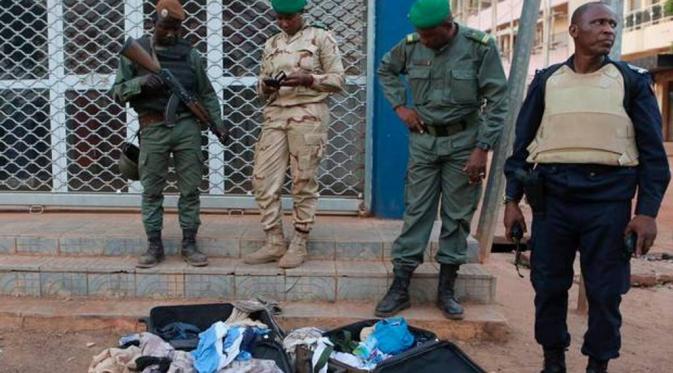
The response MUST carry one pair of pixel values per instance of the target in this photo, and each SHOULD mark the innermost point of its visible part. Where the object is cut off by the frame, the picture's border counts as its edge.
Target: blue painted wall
(390, 136)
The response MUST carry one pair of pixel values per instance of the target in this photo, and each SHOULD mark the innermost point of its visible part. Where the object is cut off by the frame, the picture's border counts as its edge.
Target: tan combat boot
(273, 249)
(296, 254)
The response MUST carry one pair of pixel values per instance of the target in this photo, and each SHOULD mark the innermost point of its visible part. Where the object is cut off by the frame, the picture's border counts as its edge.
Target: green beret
(429, 13)
(288, 6)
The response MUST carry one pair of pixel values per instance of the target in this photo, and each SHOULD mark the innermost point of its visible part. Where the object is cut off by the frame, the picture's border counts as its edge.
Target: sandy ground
(647, 340)
(647, 343)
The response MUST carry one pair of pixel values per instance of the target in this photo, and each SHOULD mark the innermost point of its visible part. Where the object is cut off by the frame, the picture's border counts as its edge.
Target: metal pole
(517, 81)
(618, 7)
(547, 26)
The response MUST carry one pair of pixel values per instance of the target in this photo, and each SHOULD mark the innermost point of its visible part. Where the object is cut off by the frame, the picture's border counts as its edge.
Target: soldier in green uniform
(158, 140)
(459, 103)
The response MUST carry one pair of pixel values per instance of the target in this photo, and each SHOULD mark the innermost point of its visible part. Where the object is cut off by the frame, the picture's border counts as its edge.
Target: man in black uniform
(588, 136)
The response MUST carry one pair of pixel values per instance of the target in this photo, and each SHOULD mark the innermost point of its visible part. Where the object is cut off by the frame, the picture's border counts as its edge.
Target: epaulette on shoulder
(319, 25)
(478, 36)
(637, 69)
(412, 38)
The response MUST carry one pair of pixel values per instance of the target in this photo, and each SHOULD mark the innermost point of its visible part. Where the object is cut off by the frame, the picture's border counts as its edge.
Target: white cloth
(323, 343)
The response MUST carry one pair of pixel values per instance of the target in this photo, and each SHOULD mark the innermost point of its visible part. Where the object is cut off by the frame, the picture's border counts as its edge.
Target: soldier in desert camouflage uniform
(296, 118)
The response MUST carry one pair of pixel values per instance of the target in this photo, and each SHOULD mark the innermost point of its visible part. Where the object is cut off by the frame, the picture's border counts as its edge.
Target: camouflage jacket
(312, 50)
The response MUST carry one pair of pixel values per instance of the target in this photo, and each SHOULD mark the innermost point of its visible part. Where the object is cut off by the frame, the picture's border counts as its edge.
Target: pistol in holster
(533, 189)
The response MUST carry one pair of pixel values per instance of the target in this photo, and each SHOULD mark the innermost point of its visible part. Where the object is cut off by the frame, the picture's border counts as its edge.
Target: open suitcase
(428, 355)
(204, 315)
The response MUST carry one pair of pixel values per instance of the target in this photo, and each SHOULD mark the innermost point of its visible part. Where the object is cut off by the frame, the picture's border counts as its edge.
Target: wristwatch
(506, 199)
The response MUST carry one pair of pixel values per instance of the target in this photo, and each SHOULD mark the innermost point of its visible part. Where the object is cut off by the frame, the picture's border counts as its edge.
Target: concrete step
(481, 323)
(326, 280)
(118, 235)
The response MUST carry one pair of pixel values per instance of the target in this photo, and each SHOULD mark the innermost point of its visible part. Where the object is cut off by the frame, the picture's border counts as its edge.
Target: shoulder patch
(319, 25)
(478, 36)
(637, 69)
(412, 38)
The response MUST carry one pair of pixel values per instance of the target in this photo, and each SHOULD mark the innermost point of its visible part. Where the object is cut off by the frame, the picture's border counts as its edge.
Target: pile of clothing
(143, 352)
(373, 345)
(226, 346)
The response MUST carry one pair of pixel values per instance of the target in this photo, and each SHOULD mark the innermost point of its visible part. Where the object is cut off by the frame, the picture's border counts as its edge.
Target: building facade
(647, 37)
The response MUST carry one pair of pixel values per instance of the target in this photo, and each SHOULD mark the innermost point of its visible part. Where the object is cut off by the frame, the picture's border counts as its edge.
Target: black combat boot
(597, 366)
(155, 251)
(554, 361)
(446, 299)
(397, 297)
(190, 253)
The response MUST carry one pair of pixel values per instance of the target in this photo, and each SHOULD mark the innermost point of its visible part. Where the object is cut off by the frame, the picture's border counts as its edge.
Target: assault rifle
(134, 52)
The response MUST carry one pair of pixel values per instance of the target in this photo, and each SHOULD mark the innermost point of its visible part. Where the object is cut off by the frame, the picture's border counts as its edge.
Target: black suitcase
(204, 315)
(434, 357)
(423, 338)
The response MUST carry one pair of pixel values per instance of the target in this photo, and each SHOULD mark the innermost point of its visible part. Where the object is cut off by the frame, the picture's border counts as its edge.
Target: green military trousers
(435, 171)
(157, 143)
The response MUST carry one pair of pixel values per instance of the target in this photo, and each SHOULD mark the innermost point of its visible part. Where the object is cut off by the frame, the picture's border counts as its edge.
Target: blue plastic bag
(393, 336)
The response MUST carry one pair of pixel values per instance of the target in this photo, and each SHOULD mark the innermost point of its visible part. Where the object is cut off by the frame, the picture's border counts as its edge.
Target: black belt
(447, 130)
(589, 168)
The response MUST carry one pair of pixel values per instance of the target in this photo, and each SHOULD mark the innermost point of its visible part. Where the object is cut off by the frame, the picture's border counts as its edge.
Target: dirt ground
(647, 339)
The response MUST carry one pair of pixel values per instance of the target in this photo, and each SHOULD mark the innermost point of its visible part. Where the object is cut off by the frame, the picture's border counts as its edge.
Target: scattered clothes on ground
(252, 366)
(129, 340)
(154, 347)
(301, 337)
(114, 360)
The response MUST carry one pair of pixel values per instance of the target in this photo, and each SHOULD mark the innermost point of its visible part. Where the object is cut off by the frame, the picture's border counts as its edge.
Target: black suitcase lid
(423, 338)
(202, 316)
(434, 357)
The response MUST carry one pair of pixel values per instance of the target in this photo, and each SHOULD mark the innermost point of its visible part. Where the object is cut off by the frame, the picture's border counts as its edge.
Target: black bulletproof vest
(174, 58)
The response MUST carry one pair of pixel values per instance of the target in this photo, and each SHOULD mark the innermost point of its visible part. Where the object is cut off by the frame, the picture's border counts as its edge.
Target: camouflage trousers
(296, 136)
(157, 143)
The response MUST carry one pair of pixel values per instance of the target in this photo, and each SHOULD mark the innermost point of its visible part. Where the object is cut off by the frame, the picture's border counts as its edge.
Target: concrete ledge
(118, 235)
(231, 278)
(481, 323)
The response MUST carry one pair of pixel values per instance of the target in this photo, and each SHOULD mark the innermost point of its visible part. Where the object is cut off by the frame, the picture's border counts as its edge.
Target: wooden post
(517, 82)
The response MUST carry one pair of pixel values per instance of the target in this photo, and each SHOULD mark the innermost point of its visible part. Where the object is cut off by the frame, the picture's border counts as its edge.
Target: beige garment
(115, 360)
(295, 122)
(294, 136)
(312, 50)
(153, 345)
(584, 120)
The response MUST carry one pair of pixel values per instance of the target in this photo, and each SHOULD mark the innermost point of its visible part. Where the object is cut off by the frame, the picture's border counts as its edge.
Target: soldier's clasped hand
(411, 118)
(298, 79)
(151, 82)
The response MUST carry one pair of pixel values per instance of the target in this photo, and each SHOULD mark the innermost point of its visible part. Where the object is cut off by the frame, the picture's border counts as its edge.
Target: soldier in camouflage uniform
(296, 118)
(453, 71)
(158, 140)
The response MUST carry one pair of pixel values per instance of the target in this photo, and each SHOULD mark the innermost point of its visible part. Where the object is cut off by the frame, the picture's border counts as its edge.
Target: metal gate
(61, 131)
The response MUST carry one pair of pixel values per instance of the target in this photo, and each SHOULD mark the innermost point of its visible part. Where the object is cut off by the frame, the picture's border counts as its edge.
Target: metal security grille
(60, 130)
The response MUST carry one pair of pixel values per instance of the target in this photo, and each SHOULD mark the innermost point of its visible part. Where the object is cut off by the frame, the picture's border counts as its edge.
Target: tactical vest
(174, 58)
(584, 120)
